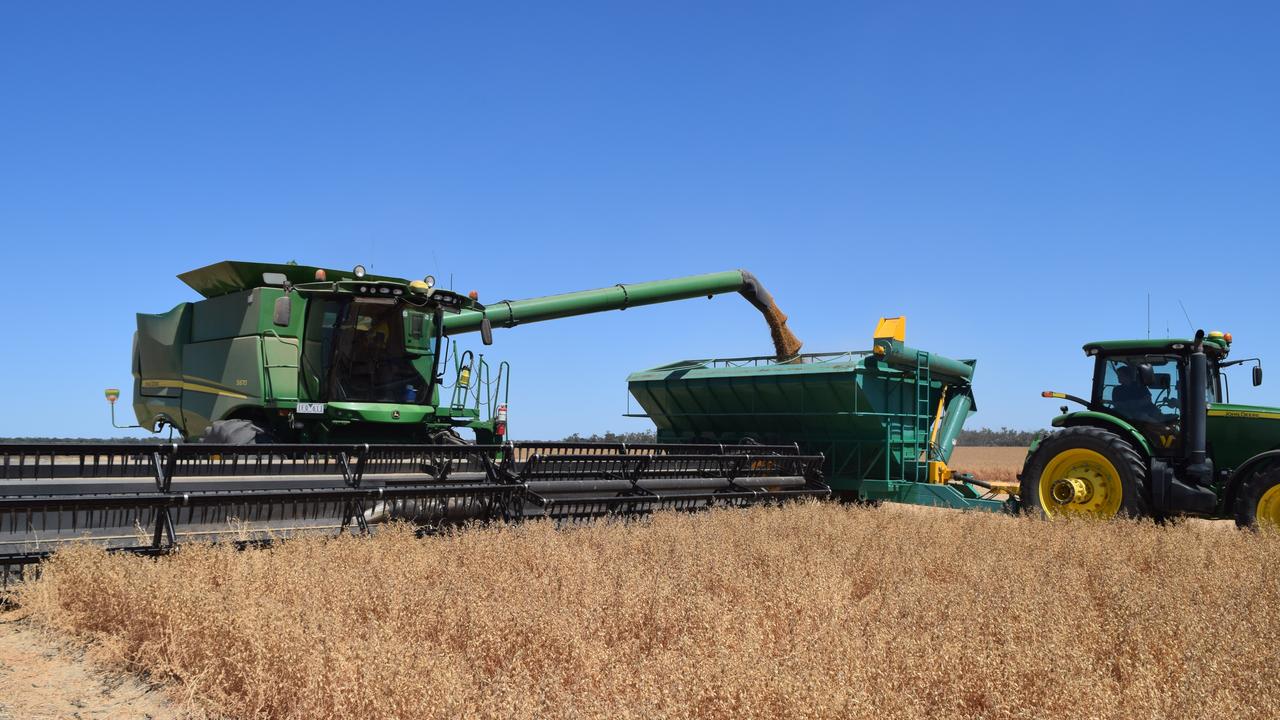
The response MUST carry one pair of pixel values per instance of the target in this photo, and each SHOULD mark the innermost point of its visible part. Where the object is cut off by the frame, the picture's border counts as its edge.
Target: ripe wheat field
(814, 610)
(1001, 464)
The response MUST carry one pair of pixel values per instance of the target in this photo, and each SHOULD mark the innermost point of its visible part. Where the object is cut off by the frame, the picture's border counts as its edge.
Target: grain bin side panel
(855, 410)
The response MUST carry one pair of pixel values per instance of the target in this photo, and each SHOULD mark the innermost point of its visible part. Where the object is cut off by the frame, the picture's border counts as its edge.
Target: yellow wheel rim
(1269, 508)
(1084, 482)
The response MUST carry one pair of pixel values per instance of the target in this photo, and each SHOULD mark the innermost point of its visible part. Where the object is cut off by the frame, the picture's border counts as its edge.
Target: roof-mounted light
(430, 281)
(359, 271)
(1227, 337)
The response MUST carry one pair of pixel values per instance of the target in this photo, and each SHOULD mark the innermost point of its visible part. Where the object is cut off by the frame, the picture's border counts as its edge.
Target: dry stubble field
(990, 463)
(811, 611)
(818, 610)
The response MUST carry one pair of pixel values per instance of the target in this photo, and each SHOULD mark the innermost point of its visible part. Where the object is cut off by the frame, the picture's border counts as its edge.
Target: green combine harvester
(311, 399)
(288, 354)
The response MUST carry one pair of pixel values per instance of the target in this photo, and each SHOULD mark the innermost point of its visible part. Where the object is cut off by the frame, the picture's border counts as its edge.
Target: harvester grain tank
(1158, 436)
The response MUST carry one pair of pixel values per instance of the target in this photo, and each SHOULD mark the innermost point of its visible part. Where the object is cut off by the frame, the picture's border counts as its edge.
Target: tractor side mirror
(283, 310)
(486, 331)
(1257, 375)
(1147, 375)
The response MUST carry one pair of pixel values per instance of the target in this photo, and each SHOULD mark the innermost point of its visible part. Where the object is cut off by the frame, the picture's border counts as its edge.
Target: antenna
(1148, 316)
(1188, 317)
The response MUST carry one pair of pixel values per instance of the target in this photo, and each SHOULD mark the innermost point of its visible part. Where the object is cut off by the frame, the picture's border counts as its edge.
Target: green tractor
(1159, 438)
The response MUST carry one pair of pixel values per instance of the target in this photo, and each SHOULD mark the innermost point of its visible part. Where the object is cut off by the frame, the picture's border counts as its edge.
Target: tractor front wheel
(1085, 471)
(1258, 501)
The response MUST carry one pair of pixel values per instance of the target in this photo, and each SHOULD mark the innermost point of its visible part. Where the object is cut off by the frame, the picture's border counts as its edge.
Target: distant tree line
(642, 436)
(1004, 437)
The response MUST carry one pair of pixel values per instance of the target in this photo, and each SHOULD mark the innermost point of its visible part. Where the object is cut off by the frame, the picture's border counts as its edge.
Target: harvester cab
(1158, 436)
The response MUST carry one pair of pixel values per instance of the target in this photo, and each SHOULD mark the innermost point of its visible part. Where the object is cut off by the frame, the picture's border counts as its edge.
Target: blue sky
(1013, 177)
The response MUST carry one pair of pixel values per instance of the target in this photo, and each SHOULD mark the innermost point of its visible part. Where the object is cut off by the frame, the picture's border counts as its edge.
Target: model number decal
(310, 408)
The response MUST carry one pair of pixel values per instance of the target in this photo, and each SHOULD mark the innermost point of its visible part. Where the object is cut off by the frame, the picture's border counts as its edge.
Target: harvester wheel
(1085, 471)
(1258, 501)
(447, 437)
(235, 432)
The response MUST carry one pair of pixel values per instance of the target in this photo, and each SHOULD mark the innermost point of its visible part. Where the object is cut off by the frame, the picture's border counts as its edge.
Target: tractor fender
(1244, 472)
(1105, 422)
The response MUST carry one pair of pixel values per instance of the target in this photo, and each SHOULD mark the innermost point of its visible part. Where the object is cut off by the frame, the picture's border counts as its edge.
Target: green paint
(870, 418)
(365, 348)
(509, 313)
(1105, 420)
(1238, 432)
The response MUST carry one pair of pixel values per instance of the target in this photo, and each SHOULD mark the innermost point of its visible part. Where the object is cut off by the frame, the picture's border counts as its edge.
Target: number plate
(310, 408)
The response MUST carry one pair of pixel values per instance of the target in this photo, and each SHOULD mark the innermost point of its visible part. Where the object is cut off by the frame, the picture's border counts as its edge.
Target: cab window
(1143, 389)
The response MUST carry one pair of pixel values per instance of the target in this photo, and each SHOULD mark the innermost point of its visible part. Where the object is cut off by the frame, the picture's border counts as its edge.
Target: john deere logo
(395, 414)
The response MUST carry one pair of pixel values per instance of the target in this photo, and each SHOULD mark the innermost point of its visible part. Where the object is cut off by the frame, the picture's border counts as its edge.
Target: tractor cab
(1145, 384)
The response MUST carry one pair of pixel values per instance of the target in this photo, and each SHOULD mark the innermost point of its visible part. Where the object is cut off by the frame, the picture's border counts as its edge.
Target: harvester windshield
(357, 350)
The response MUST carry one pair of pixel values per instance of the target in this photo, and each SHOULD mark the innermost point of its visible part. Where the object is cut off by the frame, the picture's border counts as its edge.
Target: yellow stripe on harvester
(194, 387)
(1245, 414)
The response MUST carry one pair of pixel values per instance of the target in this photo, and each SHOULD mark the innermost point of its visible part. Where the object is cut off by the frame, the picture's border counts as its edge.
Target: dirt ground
(43, 678)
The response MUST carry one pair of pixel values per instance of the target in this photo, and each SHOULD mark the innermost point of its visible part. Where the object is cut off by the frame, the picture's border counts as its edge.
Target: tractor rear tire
(1258, 501)
(1085, 471)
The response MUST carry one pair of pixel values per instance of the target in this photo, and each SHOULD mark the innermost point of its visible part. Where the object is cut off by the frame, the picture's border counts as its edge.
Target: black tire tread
(1250, 491)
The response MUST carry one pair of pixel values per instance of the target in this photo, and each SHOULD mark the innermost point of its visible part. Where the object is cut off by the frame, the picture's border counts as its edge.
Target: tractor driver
(1132, 399)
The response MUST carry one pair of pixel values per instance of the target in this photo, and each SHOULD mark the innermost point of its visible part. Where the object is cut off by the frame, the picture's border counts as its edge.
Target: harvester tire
(1258, 500)
(1081, 470)
(235, 432)
(447, 437)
